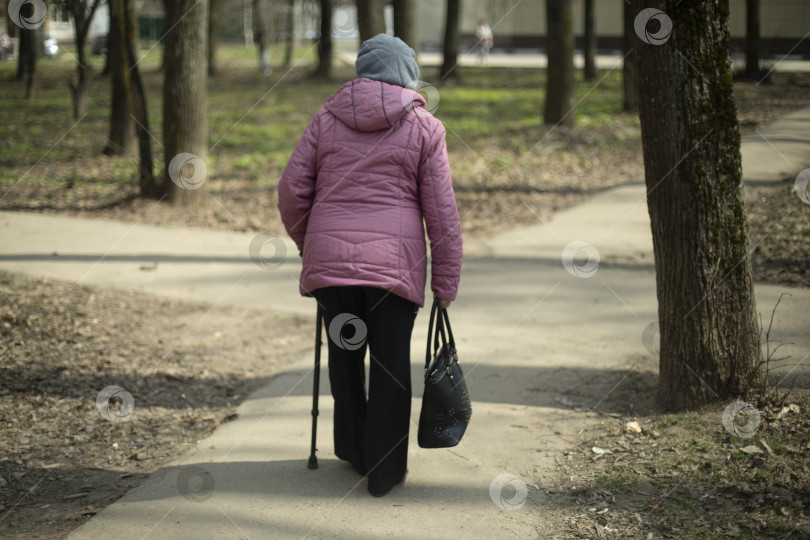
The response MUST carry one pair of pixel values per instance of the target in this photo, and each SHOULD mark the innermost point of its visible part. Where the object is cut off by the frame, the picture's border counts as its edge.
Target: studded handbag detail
(446, 408)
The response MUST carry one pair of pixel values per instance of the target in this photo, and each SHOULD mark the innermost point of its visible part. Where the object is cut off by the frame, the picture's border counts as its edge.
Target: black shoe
(385, 492)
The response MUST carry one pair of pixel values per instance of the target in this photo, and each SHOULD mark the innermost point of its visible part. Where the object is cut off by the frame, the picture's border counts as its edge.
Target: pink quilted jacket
(370, 166)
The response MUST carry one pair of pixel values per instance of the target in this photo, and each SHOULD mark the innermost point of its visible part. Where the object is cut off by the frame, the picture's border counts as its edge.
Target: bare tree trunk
(559, 108)
(81, 24)
(146, 177)
(451, 40)
(185, 127)
(289, 41)
(752, 39)
(630, 62)
(405, 27)
(122, 128)
(213, 37)
(261, 35)
(589, 42)
(27, 59)
(706, 309)
(324, 69)
(370, 18)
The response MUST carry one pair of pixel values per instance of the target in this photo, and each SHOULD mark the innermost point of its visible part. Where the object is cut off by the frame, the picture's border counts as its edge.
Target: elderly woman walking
(370, 168)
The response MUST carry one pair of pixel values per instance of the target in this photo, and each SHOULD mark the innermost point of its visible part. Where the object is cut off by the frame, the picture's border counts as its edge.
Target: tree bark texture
(148, 184)
(185, 127)
(122, 127)
(451, 40)
(630, 63)
(213, 35)
(261, 34)
(709, 333)
(589, 41)
(559, 106)
(752, 39)
(81, 25)
(289, 40)
(370, 18)
(324, 69)
(405, 27)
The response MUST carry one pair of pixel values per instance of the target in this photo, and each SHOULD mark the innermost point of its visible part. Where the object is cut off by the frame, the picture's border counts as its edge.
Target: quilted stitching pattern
(370, 167)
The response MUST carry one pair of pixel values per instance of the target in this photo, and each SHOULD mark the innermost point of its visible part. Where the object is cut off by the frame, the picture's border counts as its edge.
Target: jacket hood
(367, 105)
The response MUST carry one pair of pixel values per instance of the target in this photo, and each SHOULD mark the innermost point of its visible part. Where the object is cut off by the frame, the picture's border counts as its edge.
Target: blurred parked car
(51, 47)
(99, 45)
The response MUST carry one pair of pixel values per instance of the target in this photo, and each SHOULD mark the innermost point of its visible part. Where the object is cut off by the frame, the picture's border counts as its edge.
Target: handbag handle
(433, 334)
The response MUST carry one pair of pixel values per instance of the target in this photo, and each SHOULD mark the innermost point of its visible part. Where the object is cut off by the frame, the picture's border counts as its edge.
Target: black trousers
(371, 429)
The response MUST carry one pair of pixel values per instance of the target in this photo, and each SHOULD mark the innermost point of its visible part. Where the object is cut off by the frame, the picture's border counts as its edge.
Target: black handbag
(446, 408)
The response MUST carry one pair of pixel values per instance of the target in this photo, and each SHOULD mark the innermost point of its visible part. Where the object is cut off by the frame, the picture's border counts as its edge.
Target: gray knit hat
(388, 59)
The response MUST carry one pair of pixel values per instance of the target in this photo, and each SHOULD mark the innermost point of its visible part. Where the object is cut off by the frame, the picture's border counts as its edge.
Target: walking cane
(313, 461)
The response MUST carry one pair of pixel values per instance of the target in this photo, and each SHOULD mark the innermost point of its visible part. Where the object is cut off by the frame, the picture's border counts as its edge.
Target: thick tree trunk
(122, 126)
(405, 27)
(707, 314)
(289, 40)
(559, 107)
(451, 40)
(185, 127)
(589, 42)
(752, 39)
(27, 59)
(261, 35)
(370, 18)
(630, 63)
(213, 37)
(324, 69)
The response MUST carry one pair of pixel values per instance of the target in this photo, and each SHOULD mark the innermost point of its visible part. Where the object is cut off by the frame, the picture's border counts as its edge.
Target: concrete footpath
(547, 345)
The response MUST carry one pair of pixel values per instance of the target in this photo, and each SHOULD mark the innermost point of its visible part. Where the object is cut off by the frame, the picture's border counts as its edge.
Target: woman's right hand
(446, 303)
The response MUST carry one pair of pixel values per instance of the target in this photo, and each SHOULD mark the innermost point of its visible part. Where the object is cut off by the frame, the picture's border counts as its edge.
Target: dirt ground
(685, 476)
(187, 366)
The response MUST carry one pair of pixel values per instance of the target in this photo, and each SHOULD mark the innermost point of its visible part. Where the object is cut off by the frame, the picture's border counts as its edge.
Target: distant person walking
(485, 40)
(371, 166)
